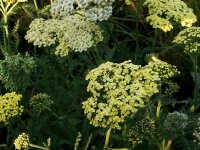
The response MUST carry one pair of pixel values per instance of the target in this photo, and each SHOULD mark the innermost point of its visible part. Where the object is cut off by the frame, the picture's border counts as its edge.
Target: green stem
(2, 6)
(118, 148)
(5, 19)
(168, 145)
(107, 138)
(196, 82)
(36, 5)
(10, 10)
(6, 37)
(51, 1)
(158, 109)
(195, 79)
(8, 135)
(37, 146)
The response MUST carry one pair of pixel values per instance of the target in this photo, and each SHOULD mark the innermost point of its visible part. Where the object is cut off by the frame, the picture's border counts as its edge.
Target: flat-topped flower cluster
(71, 34)
(90, 9)
(164, 13)
(9, 106)
(117, 91)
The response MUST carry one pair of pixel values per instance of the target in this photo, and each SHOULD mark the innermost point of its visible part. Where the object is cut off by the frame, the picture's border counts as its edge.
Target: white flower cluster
(90, 9)
(71, 34)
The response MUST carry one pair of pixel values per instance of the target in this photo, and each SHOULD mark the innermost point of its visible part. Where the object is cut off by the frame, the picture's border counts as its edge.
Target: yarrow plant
(90, 9)
(10, 107)
(118, 91)
(164, 13)
(188, 39)
(71, 34)
(6, 8)
(15, 71)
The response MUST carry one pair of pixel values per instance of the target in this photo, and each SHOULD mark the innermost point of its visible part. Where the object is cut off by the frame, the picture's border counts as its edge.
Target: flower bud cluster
(22, 141)
(171, 88)
(165, 70)
(9, 106)
(71, 34)
(90, 9)
(164, 13)
(40, 102)
(117, 92)
(189, 39)
(176, 121)
(143, 129)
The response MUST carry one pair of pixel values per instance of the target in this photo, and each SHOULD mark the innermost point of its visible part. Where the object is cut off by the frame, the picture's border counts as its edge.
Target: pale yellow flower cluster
(9, 106)
(117, 92)
(164, 69)
(22, 141)
(189, 38)
(164, 13)
(158, 22)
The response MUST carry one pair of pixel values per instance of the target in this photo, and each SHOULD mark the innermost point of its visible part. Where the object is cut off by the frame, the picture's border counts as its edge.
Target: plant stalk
(158, 109)
(107, 139)
(38, 147)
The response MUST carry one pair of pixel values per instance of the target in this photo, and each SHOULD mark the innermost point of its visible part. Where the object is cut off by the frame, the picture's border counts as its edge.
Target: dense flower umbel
(164, 13)
(90, 9)
(189, 38)
(9, 106)
(22, 141)
(176, 121)
(72, 34)
(165, 70)
(40, 102)
(118, 90)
